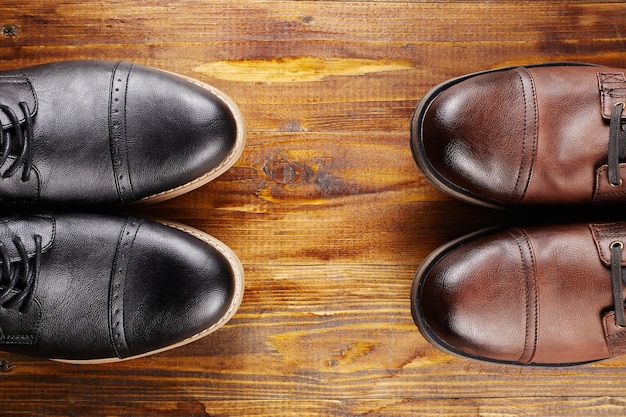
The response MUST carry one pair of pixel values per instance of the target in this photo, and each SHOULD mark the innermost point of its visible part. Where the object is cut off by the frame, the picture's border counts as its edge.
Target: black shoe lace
(18, 278)
(617, 147)
(17, 140)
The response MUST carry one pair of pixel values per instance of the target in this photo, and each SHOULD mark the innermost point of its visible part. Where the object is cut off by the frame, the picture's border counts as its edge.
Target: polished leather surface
(523, 135)
(111, 132)
(111, 287)
(527, 295)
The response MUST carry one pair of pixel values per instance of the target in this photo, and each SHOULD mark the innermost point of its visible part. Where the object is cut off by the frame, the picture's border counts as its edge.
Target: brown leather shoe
(543, 134)
(541, 295)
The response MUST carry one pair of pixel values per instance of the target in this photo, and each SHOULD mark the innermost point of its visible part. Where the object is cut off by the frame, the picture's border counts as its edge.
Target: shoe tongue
(26, 227)
(13, 90)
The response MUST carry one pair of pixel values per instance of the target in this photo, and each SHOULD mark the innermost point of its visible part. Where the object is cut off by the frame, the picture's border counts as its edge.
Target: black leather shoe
(89, 288)
(108, 132)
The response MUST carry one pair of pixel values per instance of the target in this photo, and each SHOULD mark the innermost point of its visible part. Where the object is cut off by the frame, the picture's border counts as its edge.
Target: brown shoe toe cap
(477, 136)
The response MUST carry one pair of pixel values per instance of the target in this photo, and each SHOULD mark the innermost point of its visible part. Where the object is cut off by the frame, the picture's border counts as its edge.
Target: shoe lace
(617, 148)
(18, 278)
(617, 277)
(17, 138)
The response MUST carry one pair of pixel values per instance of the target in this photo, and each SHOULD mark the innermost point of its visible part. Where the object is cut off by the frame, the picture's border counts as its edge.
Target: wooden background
(326, 208)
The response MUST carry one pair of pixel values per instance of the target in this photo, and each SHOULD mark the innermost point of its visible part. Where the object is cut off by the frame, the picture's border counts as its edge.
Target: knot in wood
(10, 31)
(5, 366)
(284, 172)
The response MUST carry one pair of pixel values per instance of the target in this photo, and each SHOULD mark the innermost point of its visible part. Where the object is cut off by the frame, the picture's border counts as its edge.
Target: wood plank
(425, 37)
(538, 406)
(326, 198)
(325, 208)
(314, 334)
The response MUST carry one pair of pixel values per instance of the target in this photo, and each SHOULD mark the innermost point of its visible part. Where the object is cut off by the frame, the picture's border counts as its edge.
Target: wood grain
(326, 208)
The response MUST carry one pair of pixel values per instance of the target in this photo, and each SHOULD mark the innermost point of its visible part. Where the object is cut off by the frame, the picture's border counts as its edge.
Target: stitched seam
(535, 300)
(14, 81)
(618, 338)
(608, 230)
(34, 96)
(118, 138)
(616, 92)
(126, 131)
(113, 269)
(606, 84)
(112, 133)
(521, 167)
(18, 339)
(120, 264)
(606, 195)
(535, 131)
(532, 305)
(23, 80)
(526, 129)
(605, 231)
(26, 81)
(23, 339)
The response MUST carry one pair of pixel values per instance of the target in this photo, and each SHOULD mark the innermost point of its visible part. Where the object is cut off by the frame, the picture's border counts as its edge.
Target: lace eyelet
(619, 184)
(616, 243)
